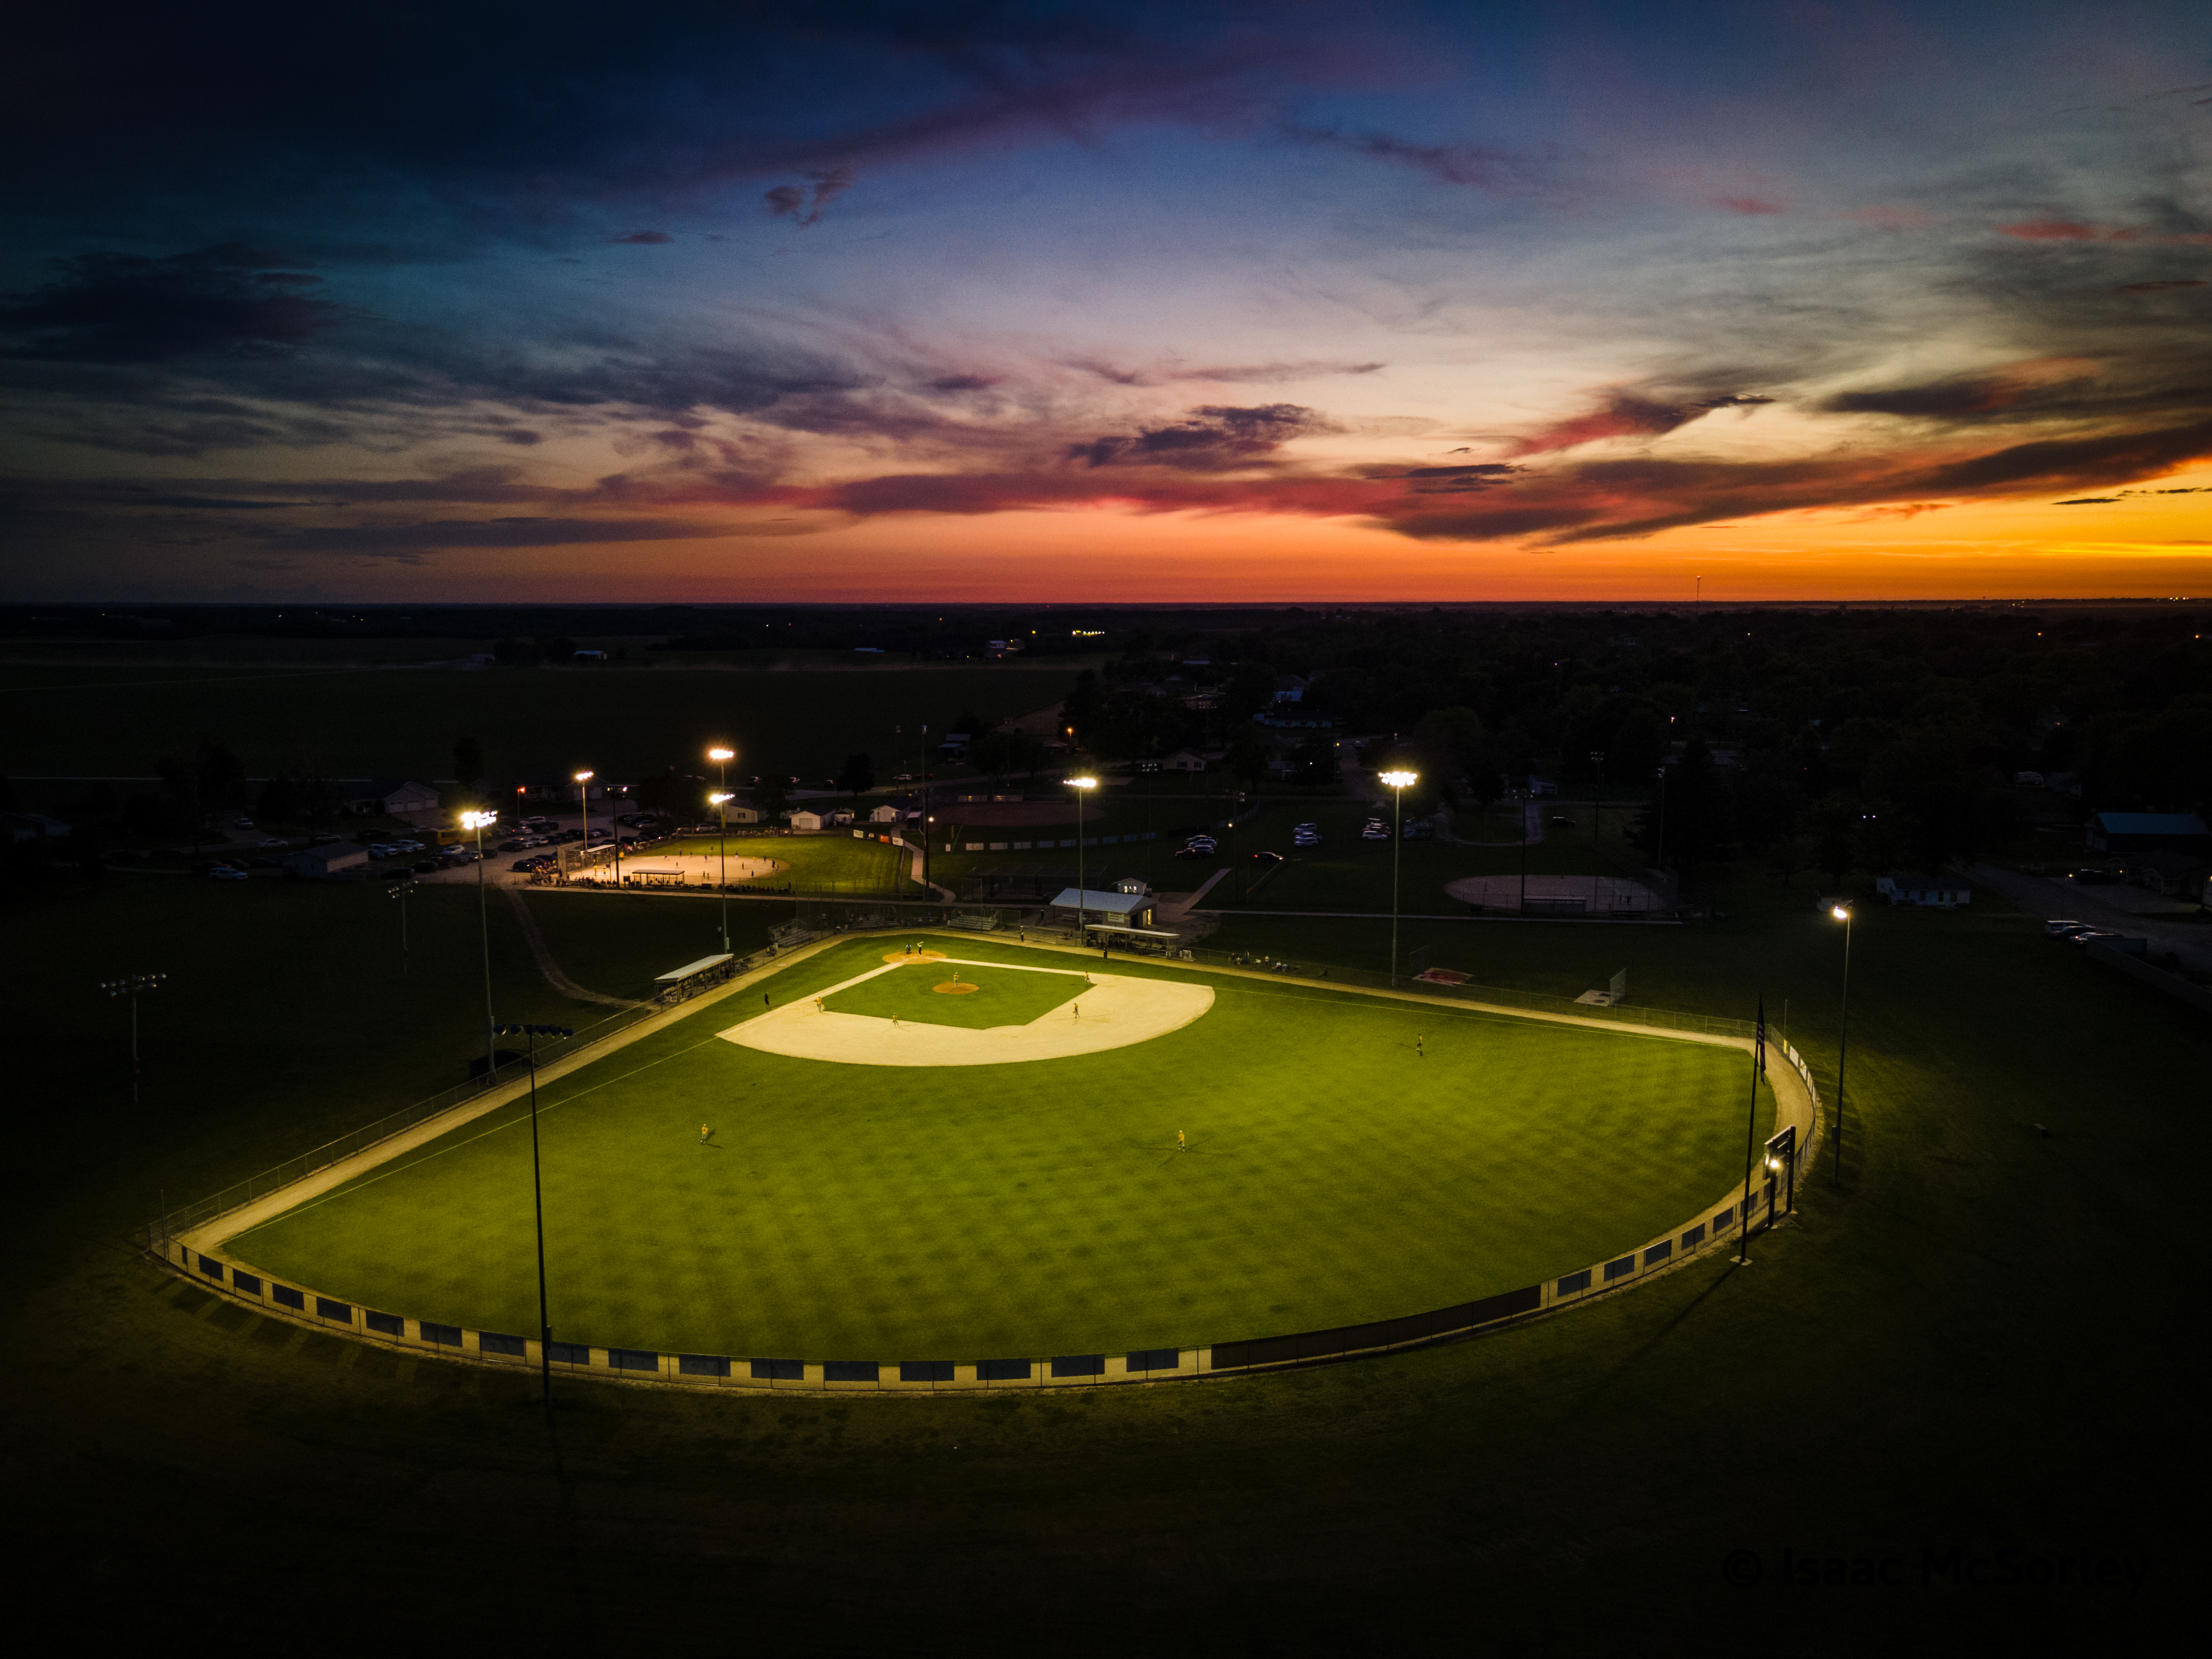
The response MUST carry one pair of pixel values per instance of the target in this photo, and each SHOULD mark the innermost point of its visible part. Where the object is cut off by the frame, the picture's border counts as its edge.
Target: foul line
(398, 1168)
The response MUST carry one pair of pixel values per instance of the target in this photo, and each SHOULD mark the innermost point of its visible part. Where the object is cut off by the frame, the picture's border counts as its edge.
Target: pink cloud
(1751, 204)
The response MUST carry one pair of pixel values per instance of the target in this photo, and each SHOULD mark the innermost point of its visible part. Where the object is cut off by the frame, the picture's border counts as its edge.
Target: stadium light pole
(132, 986)
(537, 1199)
(480, 822)
(1397, 780)
(1082, 787)
(584, 800)
(1843, 913)
(722, 757)
(1597, 799)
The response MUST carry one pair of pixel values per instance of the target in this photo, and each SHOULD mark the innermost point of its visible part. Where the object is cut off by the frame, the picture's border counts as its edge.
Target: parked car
(1266, 858)
(225, 872)
(1193, 851)
(2058, 926)
(1375, 832)
(275, 840)
(242, 823)
(426, 866)
(513, 844)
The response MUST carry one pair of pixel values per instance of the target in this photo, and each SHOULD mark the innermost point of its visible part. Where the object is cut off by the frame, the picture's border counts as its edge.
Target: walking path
(544, 956)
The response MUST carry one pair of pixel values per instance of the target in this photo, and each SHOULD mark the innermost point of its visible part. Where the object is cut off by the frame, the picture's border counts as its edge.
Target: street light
(1398, 780)
(537, 1196)
(131, 986)
(722, 757)
(480, 822)
(1597, 799)
(400, 893)
(1843, 913)
(584, 800)
(1082, 787)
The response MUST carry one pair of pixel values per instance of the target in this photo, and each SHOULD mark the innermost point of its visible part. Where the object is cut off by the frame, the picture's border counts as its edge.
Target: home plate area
(932, 1010)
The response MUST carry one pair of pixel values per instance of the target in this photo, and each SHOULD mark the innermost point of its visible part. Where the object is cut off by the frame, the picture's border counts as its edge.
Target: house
(328, 862)
(31, 826)
(886, 813)
(394, 796)
(1930, 892)
(1184, 760)
(1539, 787)
(2149, 832)
(1117, 909)
(2171, 875)
(1291, 688)
(590, 656)
(1136, 884)
(803, 819)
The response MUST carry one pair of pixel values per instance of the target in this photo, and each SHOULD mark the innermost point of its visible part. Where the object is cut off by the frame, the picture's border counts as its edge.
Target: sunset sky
(1175, 302)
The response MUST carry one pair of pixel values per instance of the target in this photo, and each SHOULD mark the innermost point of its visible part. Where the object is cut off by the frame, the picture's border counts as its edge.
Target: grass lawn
(1968, 1343)
(1334, 1175)
(996, 996)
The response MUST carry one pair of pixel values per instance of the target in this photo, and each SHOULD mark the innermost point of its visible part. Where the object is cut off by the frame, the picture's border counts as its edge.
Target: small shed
(1930, 892)
(1126, 909)
(803, 819)
(1184, 760)
(331, 858)
(886, 813)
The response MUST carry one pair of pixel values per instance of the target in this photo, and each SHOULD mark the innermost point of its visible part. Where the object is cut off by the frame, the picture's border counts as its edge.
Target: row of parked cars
(2080, 932)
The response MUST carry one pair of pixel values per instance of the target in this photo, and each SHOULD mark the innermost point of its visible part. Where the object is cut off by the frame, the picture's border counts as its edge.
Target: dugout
(1145, 941)
(649, 875)
(1133, 911)
(693, 977)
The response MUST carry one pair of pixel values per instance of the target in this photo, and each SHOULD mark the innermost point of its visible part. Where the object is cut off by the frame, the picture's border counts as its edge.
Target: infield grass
(1335, 1173)
(929, 992)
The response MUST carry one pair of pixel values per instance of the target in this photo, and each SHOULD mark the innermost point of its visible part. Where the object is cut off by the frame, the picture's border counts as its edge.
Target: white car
(274, 841)
(224, 872)
(1375, 832)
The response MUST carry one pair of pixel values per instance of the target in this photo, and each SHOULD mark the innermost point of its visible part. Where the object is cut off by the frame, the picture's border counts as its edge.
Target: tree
(1249, 752)
(281, 799)
(1001, 754)
(857, 776)
(1452, 744)
(1081, 712)
(468, 761)
(771, 797)
(1314, 762)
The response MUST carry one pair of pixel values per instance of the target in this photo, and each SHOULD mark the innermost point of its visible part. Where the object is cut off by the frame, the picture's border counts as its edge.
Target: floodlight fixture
(718, 797)
(1840, 914)
(1082, 783)
(586, 776)
(479, 820)
(722, 755)
(1401, 780)
(132, 986)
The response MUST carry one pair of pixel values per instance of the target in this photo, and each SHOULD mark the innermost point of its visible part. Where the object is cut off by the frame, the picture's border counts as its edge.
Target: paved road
(2169, 927)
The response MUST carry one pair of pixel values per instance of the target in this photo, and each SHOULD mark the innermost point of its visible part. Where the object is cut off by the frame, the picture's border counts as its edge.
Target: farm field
(1336, 1172)
(402, 720)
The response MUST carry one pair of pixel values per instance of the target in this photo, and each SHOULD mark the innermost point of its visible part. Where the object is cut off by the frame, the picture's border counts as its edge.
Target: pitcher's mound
(955, 987)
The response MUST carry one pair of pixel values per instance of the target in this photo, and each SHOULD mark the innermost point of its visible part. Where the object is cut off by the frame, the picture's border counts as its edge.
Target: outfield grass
(994, 996)
(1335, 1174)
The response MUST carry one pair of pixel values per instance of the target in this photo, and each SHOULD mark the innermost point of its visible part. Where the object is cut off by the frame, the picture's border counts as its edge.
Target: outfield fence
(1749, 1208)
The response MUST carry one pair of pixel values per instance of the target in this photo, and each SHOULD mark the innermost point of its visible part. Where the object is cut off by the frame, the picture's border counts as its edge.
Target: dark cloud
(1492, 169)
(1623, 415)
(2089, 501)
(1215, 438)
(804, 205)
(1955, 399)
(1751, 204)
(644, 238)
(963, 382)
(1735, 400)
(409, 540)
(123, 308)
(1222, 374)
(2162, 286)
(1459, 480)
